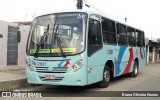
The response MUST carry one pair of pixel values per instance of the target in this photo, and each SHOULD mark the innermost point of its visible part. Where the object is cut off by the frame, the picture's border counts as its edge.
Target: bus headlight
(77, 65)
(29, 65)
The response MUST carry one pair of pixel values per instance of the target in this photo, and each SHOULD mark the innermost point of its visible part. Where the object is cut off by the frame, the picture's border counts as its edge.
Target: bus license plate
(50, 77)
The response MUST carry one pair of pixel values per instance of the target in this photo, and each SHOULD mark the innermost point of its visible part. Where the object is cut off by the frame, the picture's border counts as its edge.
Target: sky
(143, 14)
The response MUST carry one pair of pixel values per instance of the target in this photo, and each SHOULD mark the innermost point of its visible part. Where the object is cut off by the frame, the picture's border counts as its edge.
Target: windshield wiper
(41, 41)
(60, 46)
(58, 41)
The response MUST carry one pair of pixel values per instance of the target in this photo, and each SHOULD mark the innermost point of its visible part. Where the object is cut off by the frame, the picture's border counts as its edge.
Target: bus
(82, 47)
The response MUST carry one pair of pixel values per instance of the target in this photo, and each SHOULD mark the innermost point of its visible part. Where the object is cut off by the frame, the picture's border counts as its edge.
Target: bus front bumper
(78, 78)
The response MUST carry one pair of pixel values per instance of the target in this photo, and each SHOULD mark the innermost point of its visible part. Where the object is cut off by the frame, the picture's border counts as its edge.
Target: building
(152, 51)
(12, 52)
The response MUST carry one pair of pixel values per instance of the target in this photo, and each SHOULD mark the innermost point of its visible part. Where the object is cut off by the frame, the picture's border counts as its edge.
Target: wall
(21, 46)
(3, 41)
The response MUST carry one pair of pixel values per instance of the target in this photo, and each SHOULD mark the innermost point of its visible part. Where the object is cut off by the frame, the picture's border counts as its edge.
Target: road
(148, 79)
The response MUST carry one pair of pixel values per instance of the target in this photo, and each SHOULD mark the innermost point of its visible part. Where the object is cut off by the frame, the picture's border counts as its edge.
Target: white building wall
(21, 46)
(3, 41)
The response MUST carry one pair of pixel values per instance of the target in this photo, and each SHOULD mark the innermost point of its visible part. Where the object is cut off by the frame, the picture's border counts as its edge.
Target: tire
(106, 78)
(135, 70)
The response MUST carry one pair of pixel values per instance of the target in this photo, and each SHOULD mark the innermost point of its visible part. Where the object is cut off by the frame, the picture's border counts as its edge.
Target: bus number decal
(38, 64)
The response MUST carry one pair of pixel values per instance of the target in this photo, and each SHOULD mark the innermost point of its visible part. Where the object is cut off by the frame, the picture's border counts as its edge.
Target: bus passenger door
(94, 50)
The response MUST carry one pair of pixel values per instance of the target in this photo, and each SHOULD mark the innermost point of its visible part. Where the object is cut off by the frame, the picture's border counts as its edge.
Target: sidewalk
(12, 79)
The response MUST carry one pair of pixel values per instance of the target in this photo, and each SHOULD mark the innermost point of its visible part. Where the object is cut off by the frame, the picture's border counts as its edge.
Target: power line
(86, 2)
(10, 16)
(89, 5)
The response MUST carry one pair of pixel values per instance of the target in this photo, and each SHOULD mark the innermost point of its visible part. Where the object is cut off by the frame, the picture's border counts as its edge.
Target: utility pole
(79, 4)
(125, 19)
(1, 36)
(25, 17)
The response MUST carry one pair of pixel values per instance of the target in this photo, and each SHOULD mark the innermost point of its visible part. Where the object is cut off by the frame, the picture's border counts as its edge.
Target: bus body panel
(123, 58)
(54, 66)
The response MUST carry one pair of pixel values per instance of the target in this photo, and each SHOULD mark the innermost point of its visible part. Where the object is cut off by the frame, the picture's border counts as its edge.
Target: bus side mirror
(1, 36)
(18, 36)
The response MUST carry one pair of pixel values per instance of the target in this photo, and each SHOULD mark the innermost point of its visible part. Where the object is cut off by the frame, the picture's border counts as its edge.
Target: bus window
(94, 33)
(121, 34)
(143, 40)
(94, 37)
(131, 36)
(140, 38)
(108, 31)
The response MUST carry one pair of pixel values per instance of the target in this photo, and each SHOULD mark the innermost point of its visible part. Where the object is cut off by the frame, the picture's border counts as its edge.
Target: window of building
(108, 31)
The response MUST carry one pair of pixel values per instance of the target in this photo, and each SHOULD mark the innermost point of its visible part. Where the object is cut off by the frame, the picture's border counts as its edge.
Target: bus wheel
(106, 78)
(135, 70)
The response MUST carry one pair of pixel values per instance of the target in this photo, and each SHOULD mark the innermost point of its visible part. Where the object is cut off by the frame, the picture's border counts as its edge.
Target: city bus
(82, 47)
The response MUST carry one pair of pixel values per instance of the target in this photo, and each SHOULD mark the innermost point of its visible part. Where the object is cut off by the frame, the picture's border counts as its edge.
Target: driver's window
(94, 35)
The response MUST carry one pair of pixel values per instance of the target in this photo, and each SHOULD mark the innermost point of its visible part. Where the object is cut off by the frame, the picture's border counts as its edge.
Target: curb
(12, 84)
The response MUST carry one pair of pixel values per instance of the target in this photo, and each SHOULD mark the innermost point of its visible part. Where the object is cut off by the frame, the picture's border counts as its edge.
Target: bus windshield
(57, 34)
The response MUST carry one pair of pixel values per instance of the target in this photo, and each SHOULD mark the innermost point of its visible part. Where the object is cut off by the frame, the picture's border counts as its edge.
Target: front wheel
(106, 78)
(135, 70)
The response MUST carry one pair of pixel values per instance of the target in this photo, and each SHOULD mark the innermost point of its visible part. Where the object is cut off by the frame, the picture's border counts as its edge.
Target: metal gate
(12, 46)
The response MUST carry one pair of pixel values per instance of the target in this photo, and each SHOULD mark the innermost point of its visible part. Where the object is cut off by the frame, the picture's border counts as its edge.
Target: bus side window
(121, 33)
(140, 38)
(108, 31)
(94, 37)
(143, 39)
(131, 36)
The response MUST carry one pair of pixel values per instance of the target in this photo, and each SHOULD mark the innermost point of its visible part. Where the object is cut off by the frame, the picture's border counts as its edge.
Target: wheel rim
(136, 70)
(106, 76)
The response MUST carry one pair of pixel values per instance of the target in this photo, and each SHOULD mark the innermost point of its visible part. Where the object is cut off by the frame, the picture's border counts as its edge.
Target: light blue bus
(78, 48)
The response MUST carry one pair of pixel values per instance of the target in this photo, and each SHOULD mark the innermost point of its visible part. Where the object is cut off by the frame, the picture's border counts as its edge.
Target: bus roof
(91, 12)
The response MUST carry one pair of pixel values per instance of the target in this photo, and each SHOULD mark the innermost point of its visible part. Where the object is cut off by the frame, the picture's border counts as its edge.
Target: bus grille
(57, 79)
(51, 70)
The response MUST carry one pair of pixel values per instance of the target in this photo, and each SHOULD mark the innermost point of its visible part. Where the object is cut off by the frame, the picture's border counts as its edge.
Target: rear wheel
(106, 78)
(135, 70)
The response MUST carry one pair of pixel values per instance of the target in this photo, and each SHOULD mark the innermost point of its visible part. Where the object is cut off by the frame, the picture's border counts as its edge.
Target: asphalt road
(148, 79)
